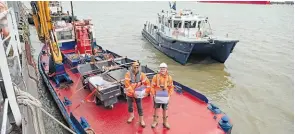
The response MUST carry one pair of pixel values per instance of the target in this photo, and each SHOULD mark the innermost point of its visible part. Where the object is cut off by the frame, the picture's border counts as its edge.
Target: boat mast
(72, 11)
(72, 20)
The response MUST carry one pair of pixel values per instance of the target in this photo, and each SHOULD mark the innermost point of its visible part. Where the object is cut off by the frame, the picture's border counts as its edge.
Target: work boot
(165, 122)
(141, 121)
(130, 119)
(155, 121)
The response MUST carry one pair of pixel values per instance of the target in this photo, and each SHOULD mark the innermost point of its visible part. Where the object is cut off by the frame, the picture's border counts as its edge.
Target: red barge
(85, 80)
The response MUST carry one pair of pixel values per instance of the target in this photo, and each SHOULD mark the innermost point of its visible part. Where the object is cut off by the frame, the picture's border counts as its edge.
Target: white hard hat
(163, 65)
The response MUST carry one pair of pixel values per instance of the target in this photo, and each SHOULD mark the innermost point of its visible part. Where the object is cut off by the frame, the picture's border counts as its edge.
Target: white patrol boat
(184, 34)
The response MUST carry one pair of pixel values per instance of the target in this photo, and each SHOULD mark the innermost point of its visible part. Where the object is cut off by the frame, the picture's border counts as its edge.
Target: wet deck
(187, 114)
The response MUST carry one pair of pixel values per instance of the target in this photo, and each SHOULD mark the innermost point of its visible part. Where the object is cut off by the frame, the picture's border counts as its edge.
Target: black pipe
(72, 11)
(73, 20)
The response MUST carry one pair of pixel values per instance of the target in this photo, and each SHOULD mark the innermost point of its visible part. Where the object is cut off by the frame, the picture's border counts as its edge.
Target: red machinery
(82, 30)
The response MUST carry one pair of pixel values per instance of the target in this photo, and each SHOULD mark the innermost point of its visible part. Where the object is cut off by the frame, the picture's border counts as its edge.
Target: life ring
(3, 21)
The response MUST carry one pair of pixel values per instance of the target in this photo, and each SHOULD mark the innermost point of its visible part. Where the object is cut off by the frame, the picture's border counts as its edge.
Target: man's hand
(138, 84)
(145, 95)
(135, 96)
(129, 90)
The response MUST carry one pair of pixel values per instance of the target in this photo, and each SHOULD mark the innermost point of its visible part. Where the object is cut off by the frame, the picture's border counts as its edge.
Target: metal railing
(13, 43)
(4, 120)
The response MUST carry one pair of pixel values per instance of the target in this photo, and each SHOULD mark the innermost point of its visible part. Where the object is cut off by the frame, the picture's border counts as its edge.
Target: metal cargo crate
(106, 89)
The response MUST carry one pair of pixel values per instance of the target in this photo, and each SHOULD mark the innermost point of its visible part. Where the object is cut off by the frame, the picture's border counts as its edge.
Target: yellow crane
(44, 27)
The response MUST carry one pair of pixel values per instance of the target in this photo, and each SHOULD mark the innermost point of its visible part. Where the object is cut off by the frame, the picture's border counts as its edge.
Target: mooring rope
(27, 99)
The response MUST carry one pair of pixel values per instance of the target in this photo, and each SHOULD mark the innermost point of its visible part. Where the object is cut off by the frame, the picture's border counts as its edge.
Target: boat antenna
(72, 11)
(72, 20)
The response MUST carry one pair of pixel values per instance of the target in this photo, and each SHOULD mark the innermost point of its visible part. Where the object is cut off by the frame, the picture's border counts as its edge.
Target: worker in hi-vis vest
(161, 89)
(137, 86)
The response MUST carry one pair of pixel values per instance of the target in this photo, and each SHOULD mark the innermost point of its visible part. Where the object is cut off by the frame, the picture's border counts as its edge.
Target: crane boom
(44, 26)
(45, 29)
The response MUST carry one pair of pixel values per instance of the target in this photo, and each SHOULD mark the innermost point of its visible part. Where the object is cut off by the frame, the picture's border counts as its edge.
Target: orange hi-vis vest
(133, 81)
(160, 82)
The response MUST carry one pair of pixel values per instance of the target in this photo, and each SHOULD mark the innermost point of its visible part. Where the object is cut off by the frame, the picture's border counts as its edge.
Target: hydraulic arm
(44, 27)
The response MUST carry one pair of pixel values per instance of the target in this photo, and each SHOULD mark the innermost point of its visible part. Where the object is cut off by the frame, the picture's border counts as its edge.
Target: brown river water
(255, 85)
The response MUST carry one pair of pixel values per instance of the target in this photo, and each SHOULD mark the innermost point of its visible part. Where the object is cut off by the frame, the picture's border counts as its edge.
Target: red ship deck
(187, 114)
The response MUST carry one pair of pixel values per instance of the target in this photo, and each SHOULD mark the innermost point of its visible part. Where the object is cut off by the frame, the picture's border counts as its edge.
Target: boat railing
(8, 42)
(151, 28)
(4, 117)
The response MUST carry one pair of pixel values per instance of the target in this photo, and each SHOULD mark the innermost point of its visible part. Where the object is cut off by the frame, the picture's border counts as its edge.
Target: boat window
(193, 24)
(64, 35)
(177, 24)
(202, 24)
(187, 24)
(199, 25)
(159, 20)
